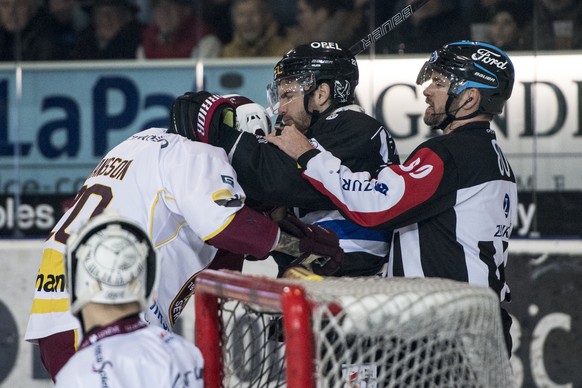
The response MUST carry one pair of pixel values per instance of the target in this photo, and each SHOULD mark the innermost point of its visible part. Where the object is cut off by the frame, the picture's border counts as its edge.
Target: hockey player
(453, 203)
(185, 195)
(313, 89)
(112, 271)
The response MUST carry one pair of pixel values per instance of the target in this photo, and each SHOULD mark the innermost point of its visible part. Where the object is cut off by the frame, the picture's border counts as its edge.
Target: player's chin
(432, 119)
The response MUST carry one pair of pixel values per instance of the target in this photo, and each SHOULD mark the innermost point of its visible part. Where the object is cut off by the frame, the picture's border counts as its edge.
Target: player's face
(291, 105)
(436, 95)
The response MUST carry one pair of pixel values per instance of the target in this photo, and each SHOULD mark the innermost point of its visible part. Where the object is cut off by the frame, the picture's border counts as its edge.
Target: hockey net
(255, 331)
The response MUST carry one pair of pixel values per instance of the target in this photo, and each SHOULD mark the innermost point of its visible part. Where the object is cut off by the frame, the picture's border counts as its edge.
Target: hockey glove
(317, 248)
(199, 116)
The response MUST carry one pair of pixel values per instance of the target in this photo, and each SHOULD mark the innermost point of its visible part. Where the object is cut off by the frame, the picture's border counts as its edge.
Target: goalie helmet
(250, 116)
(313, 63)
(473, 65)
(110, 260)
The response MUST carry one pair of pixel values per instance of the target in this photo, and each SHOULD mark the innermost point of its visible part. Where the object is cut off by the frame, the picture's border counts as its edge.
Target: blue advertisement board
(57, 123)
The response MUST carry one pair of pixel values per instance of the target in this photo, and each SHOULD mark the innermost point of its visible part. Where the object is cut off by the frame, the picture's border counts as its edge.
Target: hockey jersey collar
(122, 326)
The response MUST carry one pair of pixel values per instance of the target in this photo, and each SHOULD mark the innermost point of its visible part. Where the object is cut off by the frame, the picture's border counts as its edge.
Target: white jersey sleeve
(149, 357)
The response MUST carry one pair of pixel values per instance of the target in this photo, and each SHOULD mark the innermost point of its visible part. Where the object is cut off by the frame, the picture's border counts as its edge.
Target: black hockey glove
(199, 116)
(317, 249)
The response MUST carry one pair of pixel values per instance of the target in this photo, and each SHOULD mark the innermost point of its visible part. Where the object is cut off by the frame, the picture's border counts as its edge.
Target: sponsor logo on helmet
(433, 57)
(341, 90)
(325, 45)
(489, 58)
(485, 77)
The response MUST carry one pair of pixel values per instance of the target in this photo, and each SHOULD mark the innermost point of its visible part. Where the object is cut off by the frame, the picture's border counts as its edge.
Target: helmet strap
(450, 116)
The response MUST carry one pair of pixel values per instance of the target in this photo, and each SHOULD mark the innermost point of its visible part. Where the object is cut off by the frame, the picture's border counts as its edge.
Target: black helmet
(315, 62)
(473, 65)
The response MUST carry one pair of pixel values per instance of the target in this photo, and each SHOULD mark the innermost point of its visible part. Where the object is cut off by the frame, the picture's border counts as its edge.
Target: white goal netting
(364, 332)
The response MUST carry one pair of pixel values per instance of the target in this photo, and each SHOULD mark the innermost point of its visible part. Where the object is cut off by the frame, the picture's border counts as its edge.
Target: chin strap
(450, 116)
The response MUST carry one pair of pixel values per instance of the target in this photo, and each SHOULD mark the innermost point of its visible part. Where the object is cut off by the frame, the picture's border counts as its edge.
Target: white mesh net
(372, 332)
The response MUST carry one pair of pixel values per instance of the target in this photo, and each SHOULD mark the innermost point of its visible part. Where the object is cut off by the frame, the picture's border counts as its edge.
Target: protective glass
(284, 90)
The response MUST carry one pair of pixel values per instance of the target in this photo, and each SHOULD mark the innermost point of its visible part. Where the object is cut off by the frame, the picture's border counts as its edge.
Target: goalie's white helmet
(250, 116)
(110, 260)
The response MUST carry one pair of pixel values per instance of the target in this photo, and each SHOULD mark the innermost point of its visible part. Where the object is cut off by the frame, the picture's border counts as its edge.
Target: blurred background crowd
(46, 30)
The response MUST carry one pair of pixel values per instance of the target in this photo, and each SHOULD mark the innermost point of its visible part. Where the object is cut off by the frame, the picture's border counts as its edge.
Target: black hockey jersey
(270, 177)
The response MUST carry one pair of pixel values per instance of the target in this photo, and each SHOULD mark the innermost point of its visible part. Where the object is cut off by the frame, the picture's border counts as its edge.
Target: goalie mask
(110, 260)
(473, 65)
(250, 116)
(303, 68)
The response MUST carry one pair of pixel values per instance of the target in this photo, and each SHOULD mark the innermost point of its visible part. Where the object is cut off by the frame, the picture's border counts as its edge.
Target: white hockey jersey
(175, 189)
(130, 353)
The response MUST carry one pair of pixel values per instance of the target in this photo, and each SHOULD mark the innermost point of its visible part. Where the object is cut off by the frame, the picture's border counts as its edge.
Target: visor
(425, 78)
(286, 89)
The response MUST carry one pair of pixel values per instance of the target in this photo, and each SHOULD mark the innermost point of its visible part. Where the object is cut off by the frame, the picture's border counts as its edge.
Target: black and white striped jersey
(452, 205)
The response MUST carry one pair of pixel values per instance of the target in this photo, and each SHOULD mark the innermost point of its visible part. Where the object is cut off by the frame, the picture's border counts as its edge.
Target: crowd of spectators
(45, 30)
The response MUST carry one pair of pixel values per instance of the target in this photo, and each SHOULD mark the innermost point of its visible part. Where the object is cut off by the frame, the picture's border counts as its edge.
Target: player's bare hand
(291, 141)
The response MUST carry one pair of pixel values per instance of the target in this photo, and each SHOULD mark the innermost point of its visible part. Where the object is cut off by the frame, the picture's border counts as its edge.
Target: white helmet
(110, 260)
(250, 116)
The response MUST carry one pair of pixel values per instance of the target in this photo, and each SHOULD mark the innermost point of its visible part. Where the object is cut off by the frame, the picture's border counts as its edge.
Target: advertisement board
(58, 121)
(543, 277)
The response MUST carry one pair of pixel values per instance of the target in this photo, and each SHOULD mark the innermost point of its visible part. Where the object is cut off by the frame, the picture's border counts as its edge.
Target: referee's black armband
(306, 157)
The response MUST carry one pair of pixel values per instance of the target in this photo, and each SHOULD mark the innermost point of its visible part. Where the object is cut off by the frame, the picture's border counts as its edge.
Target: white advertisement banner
(56, 122)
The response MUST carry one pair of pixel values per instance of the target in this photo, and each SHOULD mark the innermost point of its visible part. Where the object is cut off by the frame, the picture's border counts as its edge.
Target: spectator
(558, 25)
(284, 11)
(327, 20)
(69, 20)
(115, 32)
(217, 12)
(26, 33)
(436, 23)
(506, 27)
(256, 32)
(476, 11)
(176, 31)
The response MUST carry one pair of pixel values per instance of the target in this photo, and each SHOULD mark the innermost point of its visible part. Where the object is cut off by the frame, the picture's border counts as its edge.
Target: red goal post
(211, 286)
(255, 331)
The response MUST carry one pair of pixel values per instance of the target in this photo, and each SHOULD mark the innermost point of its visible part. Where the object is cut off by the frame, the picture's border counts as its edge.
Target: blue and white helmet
(477, 65)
